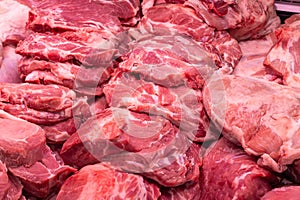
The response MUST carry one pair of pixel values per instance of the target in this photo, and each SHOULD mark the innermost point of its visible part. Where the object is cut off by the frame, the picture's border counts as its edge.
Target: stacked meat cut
(166, 99)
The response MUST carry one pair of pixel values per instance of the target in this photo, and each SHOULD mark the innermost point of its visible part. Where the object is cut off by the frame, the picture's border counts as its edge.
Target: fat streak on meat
(260, 115)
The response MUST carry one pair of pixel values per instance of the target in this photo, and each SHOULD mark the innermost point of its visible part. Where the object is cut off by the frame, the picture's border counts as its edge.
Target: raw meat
(44, 105)
(21, 142)
(181, 105)
(229, 173)
(252, 61)
(169, 61)
(13, 17)
(9, 67)
(57, 48)
(284, 57)
(178, 19)
(189, 191)
(44, 176)
(10, 187)
(286, 193)
(101, 181)
(260, 115)
(96, 14)
(137, 143)
(84, 80)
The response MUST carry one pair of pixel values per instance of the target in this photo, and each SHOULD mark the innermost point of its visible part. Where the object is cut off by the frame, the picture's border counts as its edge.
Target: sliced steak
(190, 191)
(260, 115)
(21, 142)
(44, 176)
(59, 15)
(182, 105)
(286, 192)
(101, 181)
(10, 187)
(284, 57)
(179, 19)
(229, 173)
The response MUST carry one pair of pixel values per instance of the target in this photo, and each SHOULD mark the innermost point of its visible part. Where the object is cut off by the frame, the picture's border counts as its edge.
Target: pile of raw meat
(152, 99)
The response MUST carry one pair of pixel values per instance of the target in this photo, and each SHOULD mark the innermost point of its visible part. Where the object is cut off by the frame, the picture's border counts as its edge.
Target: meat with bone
(21, 142)
(10, 187)
(44, 176)
(102, 181)
(267, 127)
(286, 192)
(284, 57)
(137, 143)
(179, 19)
(58, 48)
(59, 15)
(181, 105)
(229, 173)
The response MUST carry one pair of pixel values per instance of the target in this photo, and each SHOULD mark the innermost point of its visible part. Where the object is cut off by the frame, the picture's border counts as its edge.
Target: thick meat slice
(169, 61)
(9, 67)
(178, 19)
(101, 181)
(284, 57)
(44, 176)
(21, 142)
(13, 17)
(10, 187)
(229, 173)
(39, 103)
(60, 49)
(59, 15)
(260, 115)
(84, 80)
(181, 105)
(148, 145)
(254, 54)
(286, 193)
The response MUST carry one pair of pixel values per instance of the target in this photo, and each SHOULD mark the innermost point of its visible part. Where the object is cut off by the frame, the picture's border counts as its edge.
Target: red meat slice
(44, 176)
(101, 181)
(229, 173)
(21, 142)
(286, 193)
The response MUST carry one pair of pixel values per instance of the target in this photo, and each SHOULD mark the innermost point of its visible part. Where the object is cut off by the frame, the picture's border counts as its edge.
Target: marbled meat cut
(260, 115)
(60, 48)
(102, 181)
(21, 142)
(179, 19)
(181, 105)
(44, 176)
(10, 186)
(151, 146)
(228, 172)
(284, 57)
(59, 15)
(286, 193)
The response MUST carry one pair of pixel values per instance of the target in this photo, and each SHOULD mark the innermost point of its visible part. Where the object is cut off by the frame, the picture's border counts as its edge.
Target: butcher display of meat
(267, 127)
(228, 173)
(284, 57)
(148, 100)
(102, 181)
